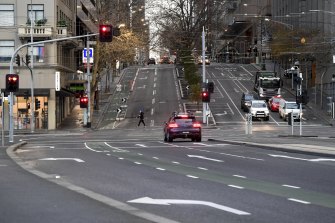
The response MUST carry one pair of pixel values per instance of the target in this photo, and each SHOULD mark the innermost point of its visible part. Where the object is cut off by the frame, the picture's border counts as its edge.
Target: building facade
(53, 66)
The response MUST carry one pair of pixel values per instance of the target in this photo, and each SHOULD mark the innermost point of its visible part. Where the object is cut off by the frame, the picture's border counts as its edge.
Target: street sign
(57, 81)
(85, 55)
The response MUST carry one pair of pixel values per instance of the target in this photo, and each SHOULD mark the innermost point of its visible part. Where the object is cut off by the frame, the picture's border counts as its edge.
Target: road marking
(201, 144)
(141, 145)
(191, 176)
(152, 111)
(140, 154)
(158, 168)
(297, 158)
(3, 165)
(244, 157)
(290, 186)
(239, 176)
(74, 159)
(235, 186)
(138, 163)
(153, 101)
(299, 201)
(174, 162)
(205, 158)
(148, 200)
(97, 151)
(115, 149)
(120, 158)
(202, 168)
(153, 92)
(156, 158)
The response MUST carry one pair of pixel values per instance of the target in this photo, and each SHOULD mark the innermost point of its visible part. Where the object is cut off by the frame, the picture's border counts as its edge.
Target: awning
(65, 93)
(237, 29)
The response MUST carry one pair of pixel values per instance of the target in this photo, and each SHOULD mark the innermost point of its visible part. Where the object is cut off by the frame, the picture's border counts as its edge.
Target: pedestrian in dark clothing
(141, 117)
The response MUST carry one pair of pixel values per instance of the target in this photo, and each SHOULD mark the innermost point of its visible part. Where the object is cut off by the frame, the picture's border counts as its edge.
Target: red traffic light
(205, 96)
(83, 102)
(105, 33)
(12, 82)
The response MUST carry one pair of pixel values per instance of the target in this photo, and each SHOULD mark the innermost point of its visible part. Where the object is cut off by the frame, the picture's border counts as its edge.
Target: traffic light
(27, 59)
(12, 82)
(105, 33)
(210, 87)
(37, 104)
(205, 95)
(83, 102)
(18, 60)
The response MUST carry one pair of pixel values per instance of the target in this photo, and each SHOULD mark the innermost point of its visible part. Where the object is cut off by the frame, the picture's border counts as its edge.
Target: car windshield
(292, 106)
(276, 100)
(258, 105)
(270, 83)
(249, 97)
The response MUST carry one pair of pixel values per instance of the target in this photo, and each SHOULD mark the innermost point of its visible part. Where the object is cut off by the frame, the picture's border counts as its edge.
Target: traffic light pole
(88, 83)
(204, 104)
(11, 71)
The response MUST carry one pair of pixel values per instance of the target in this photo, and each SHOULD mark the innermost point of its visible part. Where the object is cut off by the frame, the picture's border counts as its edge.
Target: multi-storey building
(35, 21)
(316, 19)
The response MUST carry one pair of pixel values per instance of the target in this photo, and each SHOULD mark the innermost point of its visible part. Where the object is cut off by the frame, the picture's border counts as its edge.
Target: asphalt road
(180, 181)
(125, 173)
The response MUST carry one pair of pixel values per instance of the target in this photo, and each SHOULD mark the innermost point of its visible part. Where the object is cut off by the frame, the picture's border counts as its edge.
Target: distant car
(246, 99)
(151, 61)
(182, 125)
(259, 109)
(207, 62)
(274, 103)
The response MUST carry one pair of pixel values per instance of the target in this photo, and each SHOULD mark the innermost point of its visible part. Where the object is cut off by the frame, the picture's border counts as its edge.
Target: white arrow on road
(148, 200)
(205, 158)
(74, 159)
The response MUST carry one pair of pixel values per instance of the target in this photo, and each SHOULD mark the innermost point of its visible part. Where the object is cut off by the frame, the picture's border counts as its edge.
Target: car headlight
(266, 112)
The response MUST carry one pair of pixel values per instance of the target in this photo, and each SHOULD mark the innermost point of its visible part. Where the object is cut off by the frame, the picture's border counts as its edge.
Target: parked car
(274, 103)
(151, 61)
(246, 99)
(182, 125)
(259, 110)
(286, 107)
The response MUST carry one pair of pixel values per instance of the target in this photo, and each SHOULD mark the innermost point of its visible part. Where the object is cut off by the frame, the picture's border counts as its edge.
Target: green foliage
(196, 93)
(61, 23)
(41, 22)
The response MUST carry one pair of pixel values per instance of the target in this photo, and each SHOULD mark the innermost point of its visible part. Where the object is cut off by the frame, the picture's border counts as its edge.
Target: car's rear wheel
(169, 138)
(165, 139)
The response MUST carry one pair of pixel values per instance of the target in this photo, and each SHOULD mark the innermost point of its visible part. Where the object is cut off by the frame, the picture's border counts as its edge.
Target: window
(38, 52)
(6, 15)
(7, 48)
(37, 10)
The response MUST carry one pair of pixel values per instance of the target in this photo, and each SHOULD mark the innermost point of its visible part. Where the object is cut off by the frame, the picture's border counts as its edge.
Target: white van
(286, 107)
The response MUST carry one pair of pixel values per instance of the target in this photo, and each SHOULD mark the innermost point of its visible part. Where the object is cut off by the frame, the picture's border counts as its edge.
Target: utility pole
(32, 107)
(88, 83)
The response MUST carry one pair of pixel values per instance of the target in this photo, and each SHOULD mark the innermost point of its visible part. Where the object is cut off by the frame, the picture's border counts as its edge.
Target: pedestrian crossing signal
(83, 102)
(12, 82)
(205, 95)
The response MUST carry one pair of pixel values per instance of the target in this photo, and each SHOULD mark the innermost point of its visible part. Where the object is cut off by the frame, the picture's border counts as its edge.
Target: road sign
(85, 55)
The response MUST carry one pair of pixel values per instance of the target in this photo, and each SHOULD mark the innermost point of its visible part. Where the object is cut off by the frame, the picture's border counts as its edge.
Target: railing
(37, 31)
(62, 31)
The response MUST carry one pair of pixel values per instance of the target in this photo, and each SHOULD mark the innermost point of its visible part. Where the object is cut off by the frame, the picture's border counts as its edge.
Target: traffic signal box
(12, 82)
(206, 97)
(105, 33)
(210, 87)
(37, 104)
(83, 102)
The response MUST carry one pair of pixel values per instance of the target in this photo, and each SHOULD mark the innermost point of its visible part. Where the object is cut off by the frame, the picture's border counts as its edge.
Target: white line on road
(152, 111)
(299, 201)
(153, 101)
(235, 186)
(141, 145)
(158, 168)
(191, 176)
(244, 157)
(138, 163)
(202, 168)
(290, 186)
(303, 159)
(239, 176)
(174, 162)
(205, 158)
(156, 158)
(73, 159)
(148, 200)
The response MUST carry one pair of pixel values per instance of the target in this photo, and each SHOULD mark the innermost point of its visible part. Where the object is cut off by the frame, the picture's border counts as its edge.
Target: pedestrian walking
(141, 117)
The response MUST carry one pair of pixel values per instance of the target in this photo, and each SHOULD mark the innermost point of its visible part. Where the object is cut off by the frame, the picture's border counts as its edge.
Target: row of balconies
(43, 32)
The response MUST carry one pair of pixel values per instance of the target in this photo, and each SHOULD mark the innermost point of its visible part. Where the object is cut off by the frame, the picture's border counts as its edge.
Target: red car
(274, 102)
